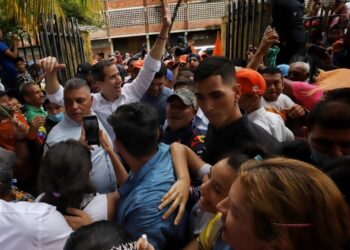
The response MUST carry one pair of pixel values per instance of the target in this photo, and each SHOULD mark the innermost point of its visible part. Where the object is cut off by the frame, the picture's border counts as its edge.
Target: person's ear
(237, 91)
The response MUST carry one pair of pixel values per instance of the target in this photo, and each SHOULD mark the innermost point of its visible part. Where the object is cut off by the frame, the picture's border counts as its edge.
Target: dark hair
(5, 177)
(213, 66)
(64, 175)
(339, 172)
(271, 71)
(185, 74)
(189, 83)
(333, 111)
(101, 235)
(18, 59)
(251, 151)
(136, 127)
(98, 70)
(24, 88)
(75, 83)
(131, 60)
(239, 62)
(162, 71)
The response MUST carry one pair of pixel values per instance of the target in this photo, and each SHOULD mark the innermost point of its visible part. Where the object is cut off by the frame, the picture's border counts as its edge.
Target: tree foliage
(27, 13)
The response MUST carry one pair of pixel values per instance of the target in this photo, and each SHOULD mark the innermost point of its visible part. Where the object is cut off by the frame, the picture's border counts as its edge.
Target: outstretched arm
(185, 161)
(270, 37)
(50, 66)
(152, 62)
(118, 167)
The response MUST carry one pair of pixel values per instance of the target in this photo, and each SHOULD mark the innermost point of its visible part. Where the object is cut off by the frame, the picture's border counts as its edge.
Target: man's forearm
(52, 84)
(258, 57)
(159, 48)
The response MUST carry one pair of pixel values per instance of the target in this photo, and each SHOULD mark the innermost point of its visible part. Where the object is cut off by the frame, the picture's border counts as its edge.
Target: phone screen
(91, 127)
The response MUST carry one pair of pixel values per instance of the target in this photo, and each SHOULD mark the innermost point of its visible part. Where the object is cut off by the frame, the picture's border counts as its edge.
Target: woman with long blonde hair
(284, 204)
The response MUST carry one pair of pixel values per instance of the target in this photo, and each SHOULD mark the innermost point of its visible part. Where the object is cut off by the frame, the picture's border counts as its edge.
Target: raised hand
(166, 13)
(50, 65)
(178, 197)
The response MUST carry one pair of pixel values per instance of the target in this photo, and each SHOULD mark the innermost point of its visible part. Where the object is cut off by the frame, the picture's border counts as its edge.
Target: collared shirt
(129, 93)
(200, 122)
(139, 200)
(102, 174)
(272, 123)
(159, 103)
(220, 142)
(32, 226)
(31, 112)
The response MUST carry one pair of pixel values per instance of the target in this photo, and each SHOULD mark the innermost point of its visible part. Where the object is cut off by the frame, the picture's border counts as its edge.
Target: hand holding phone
(90, 124)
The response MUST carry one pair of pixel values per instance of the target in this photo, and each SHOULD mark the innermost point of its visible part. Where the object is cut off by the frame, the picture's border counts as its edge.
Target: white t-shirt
(32, 226)
(94, 205)
(283, 102)
(272, 123)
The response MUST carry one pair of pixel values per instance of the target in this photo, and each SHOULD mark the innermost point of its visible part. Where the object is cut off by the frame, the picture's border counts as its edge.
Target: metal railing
(245, 24)
(55, 37)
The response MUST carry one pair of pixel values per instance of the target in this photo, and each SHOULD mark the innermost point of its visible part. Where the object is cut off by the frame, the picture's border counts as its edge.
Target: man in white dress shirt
(253, 87)
(107, 76)
(78, 103)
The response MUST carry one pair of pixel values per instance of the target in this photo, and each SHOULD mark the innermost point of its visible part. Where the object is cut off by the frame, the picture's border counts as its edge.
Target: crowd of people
(186, 151)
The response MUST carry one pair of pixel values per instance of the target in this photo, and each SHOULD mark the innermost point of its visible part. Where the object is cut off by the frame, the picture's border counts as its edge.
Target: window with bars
(196, 11)
(126, 17)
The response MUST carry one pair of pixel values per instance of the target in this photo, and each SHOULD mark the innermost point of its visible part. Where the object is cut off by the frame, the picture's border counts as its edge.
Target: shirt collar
(35, 109)
(259, 112)
(135, 178)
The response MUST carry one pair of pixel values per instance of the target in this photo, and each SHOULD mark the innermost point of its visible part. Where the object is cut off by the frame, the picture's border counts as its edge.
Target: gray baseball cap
(186, 96)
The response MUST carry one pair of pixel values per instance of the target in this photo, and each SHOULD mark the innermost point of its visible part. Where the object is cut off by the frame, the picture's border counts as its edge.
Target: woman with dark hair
(104, 235)
(64, 180)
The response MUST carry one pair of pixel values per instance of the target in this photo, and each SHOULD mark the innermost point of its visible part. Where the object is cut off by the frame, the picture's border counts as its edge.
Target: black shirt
(185, 136)
(236, 137)
(287, 18)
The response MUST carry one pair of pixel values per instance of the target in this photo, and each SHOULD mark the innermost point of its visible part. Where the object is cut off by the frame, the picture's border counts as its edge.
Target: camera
(182, 48)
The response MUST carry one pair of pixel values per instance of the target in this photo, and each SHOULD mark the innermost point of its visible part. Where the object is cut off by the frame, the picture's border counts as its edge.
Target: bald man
(299, 72)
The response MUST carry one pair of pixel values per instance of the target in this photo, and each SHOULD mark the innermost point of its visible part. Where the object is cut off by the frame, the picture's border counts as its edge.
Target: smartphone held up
(91, 127)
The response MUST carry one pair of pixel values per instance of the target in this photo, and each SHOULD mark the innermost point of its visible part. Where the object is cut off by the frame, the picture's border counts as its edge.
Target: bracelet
(163, 37)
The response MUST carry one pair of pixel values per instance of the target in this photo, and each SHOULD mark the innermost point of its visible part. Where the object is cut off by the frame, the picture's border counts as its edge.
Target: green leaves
(27, 13)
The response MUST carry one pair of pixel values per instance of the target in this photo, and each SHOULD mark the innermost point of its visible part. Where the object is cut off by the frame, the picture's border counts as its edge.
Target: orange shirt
(7, 137)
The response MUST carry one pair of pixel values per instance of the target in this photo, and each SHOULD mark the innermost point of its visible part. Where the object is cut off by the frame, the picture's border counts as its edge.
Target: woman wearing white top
(64, 181)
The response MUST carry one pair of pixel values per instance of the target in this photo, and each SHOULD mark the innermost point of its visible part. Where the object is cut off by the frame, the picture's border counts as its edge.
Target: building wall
(128, 25)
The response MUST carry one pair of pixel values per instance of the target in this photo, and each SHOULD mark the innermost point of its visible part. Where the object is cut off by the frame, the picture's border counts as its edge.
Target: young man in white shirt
(273, 98)
(253, 87)
(107, 76)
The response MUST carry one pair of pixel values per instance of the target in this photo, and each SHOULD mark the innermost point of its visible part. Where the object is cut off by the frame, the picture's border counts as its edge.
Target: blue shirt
(139, 200)
(159, 103)
(8, 71)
